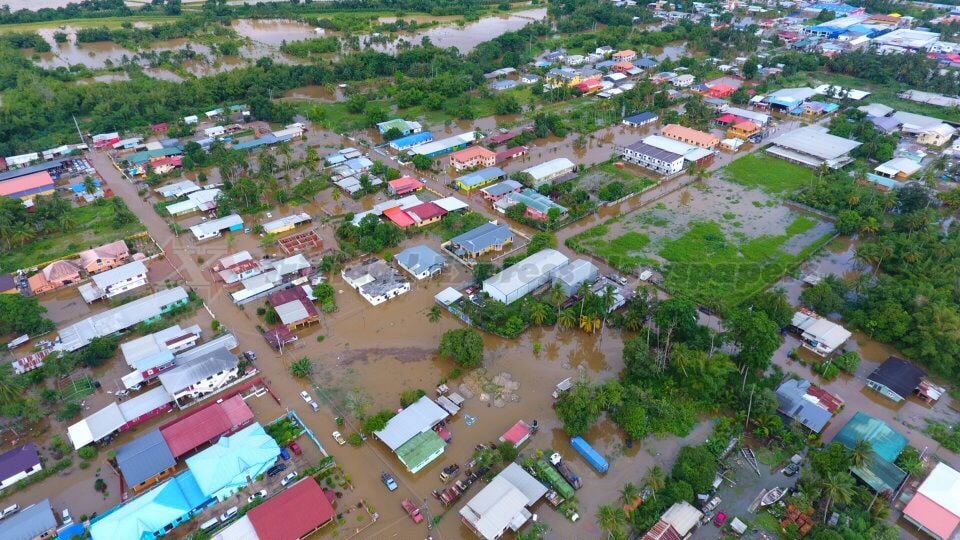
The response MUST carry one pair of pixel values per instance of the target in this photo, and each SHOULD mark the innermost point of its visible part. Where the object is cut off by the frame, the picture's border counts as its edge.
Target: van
(209, 524)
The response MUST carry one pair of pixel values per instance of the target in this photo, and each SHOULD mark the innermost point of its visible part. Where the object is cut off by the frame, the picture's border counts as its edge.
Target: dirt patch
(402, 354)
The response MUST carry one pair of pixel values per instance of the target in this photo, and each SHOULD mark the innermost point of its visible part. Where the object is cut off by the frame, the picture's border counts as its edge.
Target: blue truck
(593, 457)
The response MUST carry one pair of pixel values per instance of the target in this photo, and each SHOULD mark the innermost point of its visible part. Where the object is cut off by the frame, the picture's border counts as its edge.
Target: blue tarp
(411, 140)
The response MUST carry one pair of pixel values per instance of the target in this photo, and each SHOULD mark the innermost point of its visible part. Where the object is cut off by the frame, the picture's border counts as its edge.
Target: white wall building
(525, 276)
(375, 280)
(653, 158)
(114, 281)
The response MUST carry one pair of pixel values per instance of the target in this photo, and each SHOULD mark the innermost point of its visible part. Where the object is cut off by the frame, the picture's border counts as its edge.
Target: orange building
(104, 257)
(690, 136)
(743, 130)
(474, 156)
(53, 276)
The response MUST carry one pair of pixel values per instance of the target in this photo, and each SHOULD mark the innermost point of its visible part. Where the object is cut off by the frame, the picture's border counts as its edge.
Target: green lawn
(109, 22)
(94, 226)
(621, 252)
(632, 182)
(768, 173)
(721, 272)
(887, 94)
(456, 224)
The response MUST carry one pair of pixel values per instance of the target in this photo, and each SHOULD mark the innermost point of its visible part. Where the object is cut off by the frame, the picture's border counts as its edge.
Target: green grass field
(94, 226)
(768, 173)
(721, 272)
(621, 252)
(109, 22)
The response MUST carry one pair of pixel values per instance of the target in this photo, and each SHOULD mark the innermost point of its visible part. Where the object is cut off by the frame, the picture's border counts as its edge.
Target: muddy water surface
(273, 32)
(466, 37)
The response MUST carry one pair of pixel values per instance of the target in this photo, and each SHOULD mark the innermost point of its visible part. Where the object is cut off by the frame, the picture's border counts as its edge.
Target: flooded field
(273, 32)
(465, 37)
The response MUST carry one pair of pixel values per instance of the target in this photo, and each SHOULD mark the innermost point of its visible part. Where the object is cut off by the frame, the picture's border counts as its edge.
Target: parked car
(258, 495)
(315, 406)
(209, 524)
(412, 510)
(389, 481)
(720, 519)
(285, 454)
(12, 509)
(295, 448)
(306, 397)
(250, 355)
(288, 479)
(66, 517)
(337, 436)
(232, 511)
(276, 469)
(791, 469)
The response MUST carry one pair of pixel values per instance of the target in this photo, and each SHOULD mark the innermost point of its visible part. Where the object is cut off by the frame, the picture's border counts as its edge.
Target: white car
(645, 275)
(13, 508)
(66, 517)
(288, 479)
(315, 406)
(306, 397)
(232, 511)
(258, 495)
(337, 436)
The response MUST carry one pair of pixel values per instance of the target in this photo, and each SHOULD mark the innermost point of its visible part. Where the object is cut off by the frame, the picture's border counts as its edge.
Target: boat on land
(772, 496)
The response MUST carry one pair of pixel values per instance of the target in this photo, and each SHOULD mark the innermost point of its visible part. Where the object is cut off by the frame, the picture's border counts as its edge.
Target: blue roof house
(154, 513)
(234, 461)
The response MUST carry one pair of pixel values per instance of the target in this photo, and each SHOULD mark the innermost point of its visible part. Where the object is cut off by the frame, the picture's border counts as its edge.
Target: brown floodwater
(273, 31)
(325, 94)
(465, 37)
(105, 78)
(163, 74)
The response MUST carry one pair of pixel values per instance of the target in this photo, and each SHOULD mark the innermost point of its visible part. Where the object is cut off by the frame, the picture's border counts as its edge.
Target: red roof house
(511, 153)
(518, 434)
(206, 424)
(294, 307)
(588, 86)
(473, 156)
(426, 213)
(503, 137)
(399, 217)
(622, 67)
(404, 185)
(721, 90)
(294, 513)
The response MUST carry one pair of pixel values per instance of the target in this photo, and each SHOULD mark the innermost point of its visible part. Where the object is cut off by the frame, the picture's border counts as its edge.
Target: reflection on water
(467, 37)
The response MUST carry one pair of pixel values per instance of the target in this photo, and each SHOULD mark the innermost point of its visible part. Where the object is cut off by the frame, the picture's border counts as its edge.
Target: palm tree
(629, 493)
(567, 318)
(21, 234)
(557, 296)
(9, 385)
(861, 453)
(610, 519)
(632, 321)
(656, 480)
(838, 487)
(336, 194)
(539, 313)
(434, 314)
(582, 291)
(302, 368)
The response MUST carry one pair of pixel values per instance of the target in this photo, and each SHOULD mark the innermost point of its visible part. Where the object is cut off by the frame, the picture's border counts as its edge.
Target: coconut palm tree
(583, 291)
(21, 234)
(9, 385)
(434, 313)
(610, 519)
(557, 296)
(656, 480)
(838, 487)
(629, 493)
(302, 368)
(539, 313)
(567, 318)
(861, 453)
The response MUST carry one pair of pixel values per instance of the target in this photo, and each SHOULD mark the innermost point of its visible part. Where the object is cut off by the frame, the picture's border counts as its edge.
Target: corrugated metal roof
(205, 424)
(144, 457)
(29, 523)
(420, 416)
(18, 460)
(293, 513)
(234, 460)
(189, 372)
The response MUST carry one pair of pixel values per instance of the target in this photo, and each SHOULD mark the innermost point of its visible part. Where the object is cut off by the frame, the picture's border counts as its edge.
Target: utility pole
(749, 407)
(80, 133)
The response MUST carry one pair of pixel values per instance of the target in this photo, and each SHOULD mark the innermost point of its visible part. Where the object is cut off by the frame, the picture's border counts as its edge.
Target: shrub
(87, 452)
(355, 439)
(464, 346)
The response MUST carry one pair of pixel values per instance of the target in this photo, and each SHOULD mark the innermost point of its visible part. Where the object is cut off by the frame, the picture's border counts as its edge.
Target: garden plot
(718, 244)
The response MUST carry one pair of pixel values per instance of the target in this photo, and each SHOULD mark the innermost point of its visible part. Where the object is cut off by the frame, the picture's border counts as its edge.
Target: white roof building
(286, 223)
(906, 38)
(682, 516)
(689, 152)
(199, 375)
(172, 338)
(115, 416)
(935, 508)
(759, 118)
(839, 91)
(203, 200)
(549, 170)
(119, 318)
(114, 281)
(503, 504)
(813, 146)
(214, 228)
(525, 276)
(378, 209)
(451, 204)
(432, 148)
(375, 280)
(418, 417)
(177, 189)
(898, 167)
(819, 334)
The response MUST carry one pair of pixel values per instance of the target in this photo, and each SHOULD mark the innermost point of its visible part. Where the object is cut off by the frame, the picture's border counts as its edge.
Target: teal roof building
(234, 461)
(879, 472)
(154, 513)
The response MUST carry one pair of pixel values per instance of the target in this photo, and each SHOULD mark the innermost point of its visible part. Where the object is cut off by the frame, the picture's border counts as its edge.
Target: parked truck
(551, 475)
(593, 457)
(566, 471)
